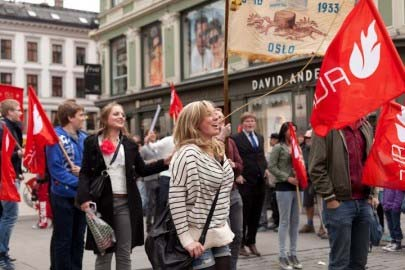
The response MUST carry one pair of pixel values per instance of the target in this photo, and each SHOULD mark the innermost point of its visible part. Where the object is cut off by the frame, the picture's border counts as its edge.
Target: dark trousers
(394, 224)
(274, 207)
(252, 197)
(67, 242)
(164, 183)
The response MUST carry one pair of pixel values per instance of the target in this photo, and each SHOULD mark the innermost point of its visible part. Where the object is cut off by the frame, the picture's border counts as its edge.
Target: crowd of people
(184, 171)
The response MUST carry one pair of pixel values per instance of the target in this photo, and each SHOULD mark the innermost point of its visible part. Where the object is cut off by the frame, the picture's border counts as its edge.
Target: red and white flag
(8, 190)
(175, 103)
(297, 159)
(385, 165)
(40, 133)
(360, 72)
(9, 91)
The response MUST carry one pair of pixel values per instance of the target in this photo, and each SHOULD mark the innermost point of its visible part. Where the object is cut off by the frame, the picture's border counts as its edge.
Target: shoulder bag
(97, 185)
(163, 246)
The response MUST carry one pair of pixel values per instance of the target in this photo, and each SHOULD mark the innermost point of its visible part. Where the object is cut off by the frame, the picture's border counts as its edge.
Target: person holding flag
(281, 167)
(11, 111)
(67, 243)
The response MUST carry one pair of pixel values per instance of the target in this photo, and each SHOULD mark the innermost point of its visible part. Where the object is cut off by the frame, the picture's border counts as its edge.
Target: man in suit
(251, 183)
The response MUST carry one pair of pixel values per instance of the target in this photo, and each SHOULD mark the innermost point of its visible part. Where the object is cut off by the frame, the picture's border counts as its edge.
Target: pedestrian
(69, 222)
(198, 169)
(11, 112)
(287, 199)
(120, 203)
(336, 163)
(252, 181)
(236, 204)
(392, 202)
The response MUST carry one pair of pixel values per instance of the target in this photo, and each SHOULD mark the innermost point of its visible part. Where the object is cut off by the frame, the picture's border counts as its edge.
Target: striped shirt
(195, 179)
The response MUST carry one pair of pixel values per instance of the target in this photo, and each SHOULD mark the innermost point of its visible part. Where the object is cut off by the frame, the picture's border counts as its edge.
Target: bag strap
(116, 152)
(209, 217)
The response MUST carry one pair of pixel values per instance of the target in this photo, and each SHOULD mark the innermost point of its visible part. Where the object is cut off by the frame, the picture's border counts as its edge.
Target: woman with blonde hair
(199, 169)
(111, 150)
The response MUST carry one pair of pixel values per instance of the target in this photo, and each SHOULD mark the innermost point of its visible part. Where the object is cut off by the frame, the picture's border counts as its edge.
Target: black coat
(16, 130)
(92, 166)
(254, 161)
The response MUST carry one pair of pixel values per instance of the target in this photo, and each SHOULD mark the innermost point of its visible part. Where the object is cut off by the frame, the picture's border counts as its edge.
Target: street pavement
(31, 249)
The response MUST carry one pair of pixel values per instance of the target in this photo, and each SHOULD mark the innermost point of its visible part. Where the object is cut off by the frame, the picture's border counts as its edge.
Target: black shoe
(295, 262)
(5, 263)
(272, 227)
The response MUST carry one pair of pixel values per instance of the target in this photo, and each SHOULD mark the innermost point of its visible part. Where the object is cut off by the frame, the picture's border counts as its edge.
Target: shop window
(80, 56)
(5, 45)
(116, 2)
(300, 113)
(203, 42)
(32, 51)
(32, 80)
(6, 78)
(80, 93)
(152, 51)
(57, 53)
(57, 86)
(271, 112)
(54, 118)
(386, 11)
(119, 65)
(91, 121)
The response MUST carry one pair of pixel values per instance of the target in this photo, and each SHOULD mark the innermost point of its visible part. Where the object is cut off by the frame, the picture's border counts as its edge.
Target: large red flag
(297, 159)
(8, 190)
(385, 165)
(361, 71)
(8, 91)
(175, 103)
(40, 133)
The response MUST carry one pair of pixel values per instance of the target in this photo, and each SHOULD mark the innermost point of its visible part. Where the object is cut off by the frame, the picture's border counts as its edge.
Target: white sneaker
(388, 247)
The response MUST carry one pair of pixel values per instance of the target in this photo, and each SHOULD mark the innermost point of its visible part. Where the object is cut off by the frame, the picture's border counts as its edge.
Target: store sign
(278, 80)
(92, 79)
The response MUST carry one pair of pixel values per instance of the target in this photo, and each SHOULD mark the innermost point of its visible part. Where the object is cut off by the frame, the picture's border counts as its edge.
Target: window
(80, 88)
(32, 13)
(56, 53)
(83, 20)
(5, 49)
(56, 86)
(55, 16)
(203, 44)
(32, 51)
(385, 8)
(119, 65)
(116, 2)
(32, 80)
(152, 61)
(91, 121)
(6, 78)
(80, 56)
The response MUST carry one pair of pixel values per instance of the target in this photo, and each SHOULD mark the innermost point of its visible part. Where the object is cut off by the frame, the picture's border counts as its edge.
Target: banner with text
(274, 30)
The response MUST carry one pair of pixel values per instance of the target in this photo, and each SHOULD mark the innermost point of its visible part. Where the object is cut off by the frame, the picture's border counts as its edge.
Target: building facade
(46, 47)
(146, 44)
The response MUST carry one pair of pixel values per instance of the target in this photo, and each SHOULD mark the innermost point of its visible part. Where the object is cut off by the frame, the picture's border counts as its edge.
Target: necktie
(253, 141)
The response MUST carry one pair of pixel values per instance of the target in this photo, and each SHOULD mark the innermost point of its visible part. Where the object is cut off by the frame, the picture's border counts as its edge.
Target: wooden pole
(66, 155)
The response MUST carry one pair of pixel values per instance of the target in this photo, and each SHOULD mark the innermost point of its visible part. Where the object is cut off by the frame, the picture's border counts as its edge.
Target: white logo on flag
(401, 128)
(37, 121)
(364, 61)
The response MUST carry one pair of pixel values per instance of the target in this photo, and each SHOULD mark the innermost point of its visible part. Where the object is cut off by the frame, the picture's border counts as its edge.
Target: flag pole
(226, 80)
(65, 154)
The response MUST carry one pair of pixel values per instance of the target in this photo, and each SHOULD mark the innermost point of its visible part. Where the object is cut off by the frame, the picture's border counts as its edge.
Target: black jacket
(16, 131)
(92, 166)
(254, 161)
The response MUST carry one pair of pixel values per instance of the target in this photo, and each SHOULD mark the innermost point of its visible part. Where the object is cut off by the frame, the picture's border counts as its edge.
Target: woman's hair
(186, 129)
(105, 113)
(283, 131)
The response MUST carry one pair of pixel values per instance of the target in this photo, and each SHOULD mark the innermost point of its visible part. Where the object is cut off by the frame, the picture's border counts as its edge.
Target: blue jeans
(287, 202)
(7, 221)
(67, 243)
(207, 259)
(349, 234)
(236, 223)
(394, 224)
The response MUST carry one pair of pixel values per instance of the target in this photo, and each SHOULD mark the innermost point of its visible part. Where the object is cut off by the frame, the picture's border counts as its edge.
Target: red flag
(8, 190)
(175, 103)
(297, 159)
(40, 133)
(385, 165)
(361, 71)
(8, 91)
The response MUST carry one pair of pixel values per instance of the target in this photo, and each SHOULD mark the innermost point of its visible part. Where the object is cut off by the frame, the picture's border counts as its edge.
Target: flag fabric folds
(8, 190)
(40, 133)
(360, 72)
(297, 159)
(385, 165)
(175, 103)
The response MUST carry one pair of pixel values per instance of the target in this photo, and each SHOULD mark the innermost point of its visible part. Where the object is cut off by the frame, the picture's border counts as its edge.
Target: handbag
(97, 185)
(163, 246)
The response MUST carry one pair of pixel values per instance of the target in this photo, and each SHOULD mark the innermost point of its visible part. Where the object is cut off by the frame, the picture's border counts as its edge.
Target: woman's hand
(293, 181)
(240, 180)
(85, 206)
(195, 249)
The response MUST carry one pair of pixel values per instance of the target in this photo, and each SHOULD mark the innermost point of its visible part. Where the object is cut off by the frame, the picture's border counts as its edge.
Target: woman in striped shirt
(198, 169)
